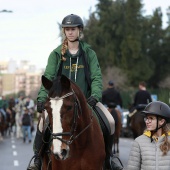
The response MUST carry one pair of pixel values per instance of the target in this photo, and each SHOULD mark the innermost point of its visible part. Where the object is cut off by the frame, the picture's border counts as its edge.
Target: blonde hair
(64, 47)
(165, 146)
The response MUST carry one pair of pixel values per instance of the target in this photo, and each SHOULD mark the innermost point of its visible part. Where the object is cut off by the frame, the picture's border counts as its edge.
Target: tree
(123, 38)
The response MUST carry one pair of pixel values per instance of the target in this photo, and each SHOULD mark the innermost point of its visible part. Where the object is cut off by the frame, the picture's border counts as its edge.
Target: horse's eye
(69, 108)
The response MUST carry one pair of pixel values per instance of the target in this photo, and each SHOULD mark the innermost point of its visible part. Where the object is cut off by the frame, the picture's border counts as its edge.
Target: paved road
(14, 154)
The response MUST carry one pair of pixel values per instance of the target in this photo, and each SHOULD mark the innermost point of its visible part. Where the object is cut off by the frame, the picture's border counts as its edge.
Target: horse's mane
(78, 92)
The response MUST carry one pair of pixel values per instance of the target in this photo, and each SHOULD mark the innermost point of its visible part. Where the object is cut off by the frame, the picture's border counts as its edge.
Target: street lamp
(4, 10)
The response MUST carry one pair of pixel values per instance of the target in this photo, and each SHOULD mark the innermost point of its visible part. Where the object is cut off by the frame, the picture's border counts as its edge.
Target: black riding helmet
(72, 21)
(159, 109)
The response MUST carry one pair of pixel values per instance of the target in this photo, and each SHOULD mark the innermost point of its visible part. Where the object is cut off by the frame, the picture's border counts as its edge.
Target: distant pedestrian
(26, 125)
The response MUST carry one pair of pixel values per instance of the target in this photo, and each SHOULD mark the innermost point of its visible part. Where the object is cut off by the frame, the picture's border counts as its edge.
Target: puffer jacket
(146, 155)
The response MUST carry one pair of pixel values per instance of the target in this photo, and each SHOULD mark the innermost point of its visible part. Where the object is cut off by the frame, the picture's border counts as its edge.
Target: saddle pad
(106, 117)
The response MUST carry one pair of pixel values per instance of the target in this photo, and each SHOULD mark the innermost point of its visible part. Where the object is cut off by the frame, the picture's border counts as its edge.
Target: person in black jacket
(141, 99)
(26, 125)
(111, 95)
(142, 96)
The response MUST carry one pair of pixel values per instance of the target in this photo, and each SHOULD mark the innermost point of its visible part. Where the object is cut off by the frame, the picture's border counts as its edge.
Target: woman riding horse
(77, 61)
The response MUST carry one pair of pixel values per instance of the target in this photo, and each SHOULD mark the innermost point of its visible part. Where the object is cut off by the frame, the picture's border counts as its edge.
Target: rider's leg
(108, 149)
(38, 147)
(3, 112)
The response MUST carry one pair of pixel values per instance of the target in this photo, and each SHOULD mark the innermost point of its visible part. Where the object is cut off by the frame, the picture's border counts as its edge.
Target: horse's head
(62, 107)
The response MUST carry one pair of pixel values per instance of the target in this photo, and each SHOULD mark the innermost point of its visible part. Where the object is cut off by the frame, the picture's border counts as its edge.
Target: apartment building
(25, 79)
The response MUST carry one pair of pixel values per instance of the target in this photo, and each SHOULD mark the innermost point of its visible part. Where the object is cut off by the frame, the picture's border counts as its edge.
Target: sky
(31, 31)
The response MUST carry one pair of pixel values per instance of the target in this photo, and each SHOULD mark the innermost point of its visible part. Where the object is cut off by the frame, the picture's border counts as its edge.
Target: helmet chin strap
(157, 128)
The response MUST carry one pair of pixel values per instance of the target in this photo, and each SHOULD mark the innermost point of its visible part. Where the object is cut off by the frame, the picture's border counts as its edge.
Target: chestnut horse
(76, 140)
(118, 126)
(137, 124)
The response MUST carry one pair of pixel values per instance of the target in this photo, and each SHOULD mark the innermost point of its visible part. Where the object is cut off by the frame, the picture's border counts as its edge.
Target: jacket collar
(148, 134)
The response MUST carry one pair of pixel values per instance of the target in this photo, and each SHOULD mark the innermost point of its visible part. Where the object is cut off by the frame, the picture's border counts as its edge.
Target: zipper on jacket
(156, 150)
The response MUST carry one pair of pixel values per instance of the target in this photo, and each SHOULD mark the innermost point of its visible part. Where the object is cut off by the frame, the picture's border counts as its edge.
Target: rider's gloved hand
(92, 101)
(40, 106)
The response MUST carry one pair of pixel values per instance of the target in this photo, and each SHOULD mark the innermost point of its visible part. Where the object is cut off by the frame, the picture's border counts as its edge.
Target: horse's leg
(1, 138)
(114, 151)
(117, 145)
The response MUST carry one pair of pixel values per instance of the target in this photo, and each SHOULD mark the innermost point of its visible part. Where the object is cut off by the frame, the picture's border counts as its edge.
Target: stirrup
(116, 165)
(30, 167)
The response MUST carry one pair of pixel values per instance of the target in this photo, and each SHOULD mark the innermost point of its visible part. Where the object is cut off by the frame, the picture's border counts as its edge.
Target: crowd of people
(19, 116)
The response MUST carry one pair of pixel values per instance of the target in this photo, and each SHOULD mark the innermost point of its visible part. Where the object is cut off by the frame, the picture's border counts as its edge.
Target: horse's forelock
(56, 89)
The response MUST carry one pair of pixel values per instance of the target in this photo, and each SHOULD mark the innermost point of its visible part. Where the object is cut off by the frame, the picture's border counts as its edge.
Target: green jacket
(3, 104)
(94, 69)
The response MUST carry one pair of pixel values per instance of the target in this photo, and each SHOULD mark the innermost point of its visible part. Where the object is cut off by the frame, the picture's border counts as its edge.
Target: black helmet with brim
(158, 108)
(72, 20)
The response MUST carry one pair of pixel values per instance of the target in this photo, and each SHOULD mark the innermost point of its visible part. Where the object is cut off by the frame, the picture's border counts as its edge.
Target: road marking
(15, 153)
(13, 146)
(16, 163)
(12, 135)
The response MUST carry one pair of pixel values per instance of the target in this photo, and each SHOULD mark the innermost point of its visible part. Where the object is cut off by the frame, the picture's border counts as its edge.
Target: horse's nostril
(64, 152)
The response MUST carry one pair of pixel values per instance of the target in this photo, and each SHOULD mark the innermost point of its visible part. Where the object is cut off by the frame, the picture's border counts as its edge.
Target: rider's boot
(38, 147)
(108, 149)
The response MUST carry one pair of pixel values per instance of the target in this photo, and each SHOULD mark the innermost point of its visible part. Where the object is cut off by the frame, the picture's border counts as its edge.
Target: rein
(74, 125)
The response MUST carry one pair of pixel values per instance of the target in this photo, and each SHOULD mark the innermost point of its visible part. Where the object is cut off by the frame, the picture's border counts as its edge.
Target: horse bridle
(74, 125)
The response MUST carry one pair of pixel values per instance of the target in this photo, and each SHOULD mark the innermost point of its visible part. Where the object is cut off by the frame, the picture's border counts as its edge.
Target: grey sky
(31, 31)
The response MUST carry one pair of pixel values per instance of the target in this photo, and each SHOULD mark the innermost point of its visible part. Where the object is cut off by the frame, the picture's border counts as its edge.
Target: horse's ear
(46, 82)
(65, 81)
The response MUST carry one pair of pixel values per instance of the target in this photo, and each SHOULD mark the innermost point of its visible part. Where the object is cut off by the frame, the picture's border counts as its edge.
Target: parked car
(125, 132)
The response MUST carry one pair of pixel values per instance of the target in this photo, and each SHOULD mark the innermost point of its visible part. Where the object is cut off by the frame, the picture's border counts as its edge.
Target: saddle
(106, 120)
(141, 106)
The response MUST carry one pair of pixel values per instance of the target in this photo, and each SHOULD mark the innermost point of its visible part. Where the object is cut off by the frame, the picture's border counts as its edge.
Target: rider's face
(71, 33)
(151, 122)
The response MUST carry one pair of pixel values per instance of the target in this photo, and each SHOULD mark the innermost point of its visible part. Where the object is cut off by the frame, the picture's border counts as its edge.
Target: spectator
(26, 125)
(151, 150)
